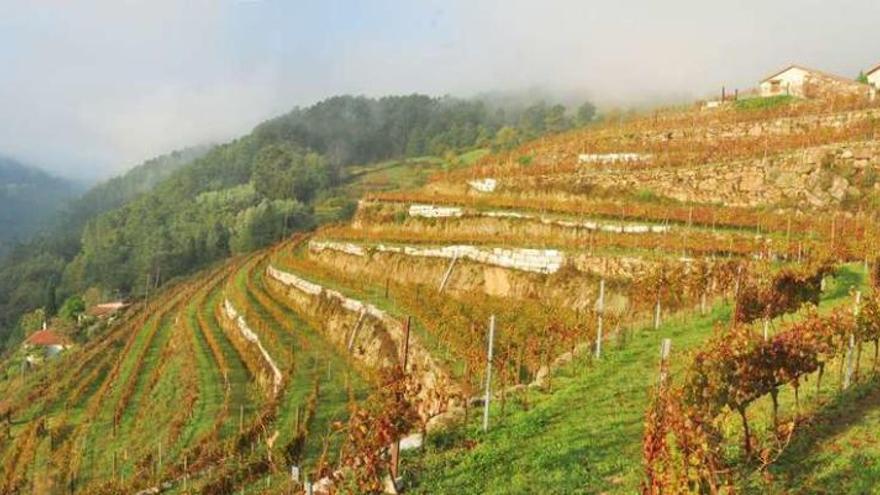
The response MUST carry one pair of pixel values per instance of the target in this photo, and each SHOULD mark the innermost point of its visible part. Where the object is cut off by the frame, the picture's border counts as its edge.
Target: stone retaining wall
(819, 177)
(702, 132)
(544, 261)
(431, 211)
(252, 337)
(428, 211)
(588, 224)
(605, 158)
(483, 185)
(780, 126)
(373, 338)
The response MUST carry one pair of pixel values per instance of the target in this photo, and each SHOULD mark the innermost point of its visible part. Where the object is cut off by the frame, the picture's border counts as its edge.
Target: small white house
(873, 76)
(803, 82)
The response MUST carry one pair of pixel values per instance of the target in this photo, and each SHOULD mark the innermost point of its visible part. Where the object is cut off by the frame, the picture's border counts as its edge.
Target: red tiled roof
(875, 69)
(46, 338)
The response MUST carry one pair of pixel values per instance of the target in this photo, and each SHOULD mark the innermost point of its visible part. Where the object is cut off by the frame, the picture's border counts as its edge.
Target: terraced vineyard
(280, 359)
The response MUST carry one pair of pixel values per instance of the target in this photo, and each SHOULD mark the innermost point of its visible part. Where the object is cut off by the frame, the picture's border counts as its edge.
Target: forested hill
(250, 192)
(28, 198)
(119, 190)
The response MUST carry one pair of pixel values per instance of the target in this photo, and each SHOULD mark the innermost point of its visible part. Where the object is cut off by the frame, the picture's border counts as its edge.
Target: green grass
(211, 393)
(585, 436)
(237, 374)
(839, 452)
(313, 357)
(471, 157)
(763, 103)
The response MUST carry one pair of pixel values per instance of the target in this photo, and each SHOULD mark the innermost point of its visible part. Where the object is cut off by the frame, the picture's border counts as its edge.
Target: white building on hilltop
(873, 76)
(803, 82)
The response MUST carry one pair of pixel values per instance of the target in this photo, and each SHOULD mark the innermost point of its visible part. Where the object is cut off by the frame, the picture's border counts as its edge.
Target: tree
(533, 121)
(287, 172)
(51, 300)
(33, 321)
(72, 307)
(265, 223)
(862, 78)
(585, 113)
(506, 138)
(555, 119)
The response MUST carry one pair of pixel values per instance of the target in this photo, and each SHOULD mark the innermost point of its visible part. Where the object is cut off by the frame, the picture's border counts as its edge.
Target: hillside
(180, 212)
(29, 198)
(740, 233)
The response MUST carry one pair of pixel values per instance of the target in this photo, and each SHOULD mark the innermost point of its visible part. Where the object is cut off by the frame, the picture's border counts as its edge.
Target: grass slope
(583, 437)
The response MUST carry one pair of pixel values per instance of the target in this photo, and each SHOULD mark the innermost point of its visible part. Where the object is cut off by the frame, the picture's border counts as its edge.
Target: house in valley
(803, 82)
(106, 310)
(50, 342)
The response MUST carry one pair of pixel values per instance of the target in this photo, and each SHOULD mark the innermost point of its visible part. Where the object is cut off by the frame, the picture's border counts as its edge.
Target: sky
(89, 89)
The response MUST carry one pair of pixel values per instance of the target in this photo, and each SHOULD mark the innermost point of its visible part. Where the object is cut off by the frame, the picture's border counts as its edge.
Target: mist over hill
(29, 197)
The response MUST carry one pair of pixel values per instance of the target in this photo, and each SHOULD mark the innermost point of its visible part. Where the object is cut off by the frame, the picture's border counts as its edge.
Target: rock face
(818, 176)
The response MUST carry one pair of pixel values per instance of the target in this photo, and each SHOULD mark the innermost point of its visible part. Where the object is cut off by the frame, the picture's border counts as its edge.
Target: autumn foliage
(729, 373)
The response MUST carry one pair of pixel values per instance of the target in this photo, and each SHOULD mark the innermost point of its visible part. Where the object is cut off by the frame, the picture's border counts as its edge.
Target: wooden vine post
(657, 306)
(447, 274)
(847, 376)
(861, 337)
(600, 310)
(665, 348)
(703, 295)
(395, 448)
(850, 348)
(489, 353)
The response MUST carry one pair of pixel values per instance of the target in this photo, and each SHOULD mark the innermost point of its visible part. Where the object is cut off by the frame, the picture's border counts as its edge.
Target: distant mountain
(29, 197)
